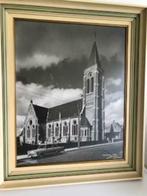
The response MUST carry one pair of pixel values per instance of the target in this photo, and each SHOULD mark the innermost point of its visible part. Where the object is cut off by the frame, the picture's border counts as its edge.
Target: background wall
(130, 188)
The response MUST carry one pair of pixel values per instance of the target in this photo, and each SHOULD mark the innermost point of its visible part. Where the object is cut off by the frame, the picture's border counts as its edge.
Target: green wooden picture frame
(131, 167)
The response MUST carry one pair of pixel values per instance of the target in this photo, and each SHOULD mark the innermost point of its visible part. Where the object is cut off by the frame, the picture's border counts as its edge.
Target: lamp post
(79, 128)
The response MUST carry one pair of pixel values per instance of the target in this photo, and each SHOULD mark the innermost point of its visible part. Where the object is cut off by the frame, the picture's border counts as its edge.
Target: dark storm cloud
(51, 58)
(69, 72)
(64, 40)
(58, 53)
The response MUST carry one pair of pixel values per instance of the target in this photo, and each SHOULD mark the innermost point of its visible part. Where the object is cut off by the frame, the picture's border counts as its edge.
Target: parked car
(43, 150)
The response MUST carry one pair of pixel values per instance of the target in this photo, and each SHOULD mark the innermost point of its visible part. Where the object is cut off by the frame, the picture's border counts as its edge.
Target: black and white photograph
(70, 92)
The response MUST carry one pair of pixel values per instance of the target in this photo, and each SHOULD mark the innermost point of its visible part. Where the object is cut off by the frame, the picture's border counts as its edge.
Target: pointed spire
(94, 56)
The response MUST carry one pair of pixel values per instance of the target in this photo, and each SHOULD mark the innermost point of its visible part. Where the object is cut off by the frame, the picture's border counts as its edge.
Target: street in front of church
(109, 151)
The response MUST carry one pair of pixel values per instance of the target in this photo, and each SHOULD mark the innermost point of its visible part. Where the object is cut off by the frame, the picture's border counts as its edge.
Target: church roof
(71, 109)
(41, 113)
(94, 56)
(84, 120)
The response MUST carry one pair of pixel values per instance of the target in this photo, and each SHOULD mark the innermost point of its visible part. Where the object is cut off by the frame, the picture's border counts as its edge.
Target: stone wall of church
(88, 91)
(93, 100)
(66, 130)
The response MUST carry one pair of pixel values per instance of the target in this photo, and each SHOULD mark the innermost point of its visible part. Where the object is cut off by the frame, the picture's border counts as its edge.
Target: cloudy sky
(51, 58)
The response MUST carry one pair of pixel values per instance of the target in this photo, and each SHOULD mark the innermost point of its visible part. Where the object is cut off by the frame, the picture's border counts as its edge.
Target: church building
(81, 120)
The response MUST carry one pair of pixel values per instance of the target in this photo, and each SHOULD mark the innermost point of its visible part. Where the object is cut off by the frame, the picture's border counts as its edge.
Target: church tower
(93, 95)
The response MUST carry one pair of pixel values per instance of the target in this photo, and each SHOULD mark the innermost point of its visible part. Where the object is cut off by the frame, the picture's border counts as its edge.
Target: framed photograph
(71, 92)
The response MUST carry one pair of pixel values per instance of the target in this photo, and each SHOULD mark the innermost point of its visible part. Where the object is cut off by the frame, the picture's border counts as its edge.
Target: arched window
(57, 130)
(87, 85)
(49, 130)
(28, 132)
(65, 129)
(87, 132)
(74, 128)
(30, 122)
(33, 131)
(92, 84)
